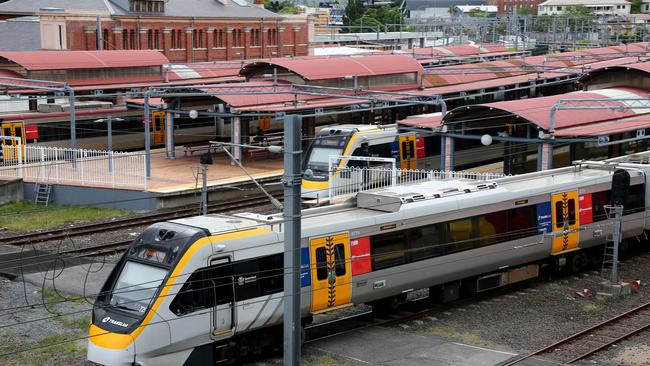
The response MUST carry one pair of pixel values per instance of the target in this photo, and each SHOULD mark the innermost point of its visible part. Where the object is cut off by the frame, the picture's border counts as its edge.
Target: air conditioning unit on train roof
(391, 199)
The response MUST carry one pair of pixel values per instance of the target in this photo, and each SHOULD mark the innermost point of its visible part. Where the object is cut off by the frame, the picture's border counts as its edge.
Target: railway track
(38, 237)
(594, 339)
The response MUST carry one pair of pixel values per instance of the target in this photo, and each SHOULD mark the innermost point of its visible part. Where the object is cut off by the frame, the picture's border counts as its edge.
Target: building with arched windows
(184, 30)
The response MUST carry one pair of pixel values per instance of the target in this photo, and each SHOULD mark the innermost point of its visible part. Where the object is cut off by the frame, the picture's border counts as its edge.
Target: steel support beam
(292, 181)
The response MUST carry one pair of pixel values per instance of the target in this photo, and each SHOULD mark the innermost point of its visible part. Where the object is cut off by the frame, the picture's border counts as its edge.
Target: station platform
(175, 175)
(172, 183)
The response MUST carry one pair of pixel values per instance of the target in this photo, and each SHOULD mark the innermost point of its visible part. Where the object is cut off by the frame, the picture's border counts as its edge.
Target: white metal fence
(347, 182)
(41, 164)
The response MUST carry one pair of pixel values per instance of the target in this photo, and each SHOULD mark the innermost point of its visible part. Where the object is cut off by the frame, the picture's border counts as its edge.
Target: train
(209, 289)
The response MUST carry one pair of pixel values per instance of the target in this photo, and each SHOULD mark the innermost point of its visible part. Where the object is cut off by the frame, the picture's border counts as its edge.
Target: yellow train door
(408, 156)
(330, 272)
(158, 128)
(12, 129)
(564, 210)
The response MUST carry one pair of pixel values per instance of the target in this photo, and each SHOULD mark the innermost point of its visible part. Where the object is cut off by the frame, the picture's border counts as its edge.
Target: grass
(446, 331)
(25, 216)
(324, 360)
(53, 350)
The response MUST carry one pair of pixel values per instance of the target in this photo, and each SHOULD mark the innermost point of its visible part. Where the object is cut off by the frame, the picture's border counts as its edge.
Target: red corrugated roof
(607, 127)
(537, 110)
(10, 74)
(339, 67)
(426, 121)
(640, 66)
(59, 60)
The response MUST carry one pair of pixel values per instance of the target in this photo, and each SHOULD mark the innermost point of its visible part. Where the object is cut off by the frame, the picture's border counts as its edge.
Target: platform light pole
(109, 126)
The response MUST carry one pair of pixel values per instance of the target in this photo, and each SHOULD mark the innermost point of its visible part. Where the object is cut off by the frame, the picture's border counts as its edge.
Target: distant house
(598, 7)
(645, 6)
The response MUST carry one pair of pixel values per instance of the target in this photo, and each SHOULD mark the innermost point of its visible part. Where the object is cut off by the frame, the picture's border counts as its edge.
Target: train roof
(351, 128)
(435, 199)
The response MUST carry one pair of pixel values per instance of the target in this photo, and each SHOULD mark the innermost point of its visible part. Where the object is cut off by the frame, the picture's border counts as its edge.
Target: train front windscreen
(318, 156)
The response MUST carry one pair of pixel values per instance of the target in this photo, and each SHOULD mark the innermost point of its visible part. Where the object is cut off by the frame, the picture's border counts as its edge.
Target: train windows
(598, 201)
(635, 201)
(339, 259)
(559, 213)
(271, 274)
(247, 275)
(460, 235)
(521, 222)
(205, 288)
(425, 242)
(321, 264)
(387, 250)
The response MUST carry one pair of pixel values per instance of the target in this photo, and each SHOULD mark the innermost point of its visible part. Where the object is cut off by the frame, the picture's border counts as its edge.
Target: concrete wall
(11, 191)
(98, 197)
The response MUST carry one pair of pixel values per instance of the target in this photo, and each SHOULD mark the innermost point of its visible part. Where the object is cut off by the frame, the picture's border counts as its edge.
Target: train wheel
(578, 263)
(388, 305)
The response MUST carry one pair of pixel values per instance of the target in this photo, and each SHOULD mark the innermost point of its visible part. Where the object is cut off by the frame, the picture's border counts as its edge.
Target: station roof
(537, 110)
(60, 60)
(320, 68)
(459, 51)
(425, 121)
(606, 72)
(458, 74)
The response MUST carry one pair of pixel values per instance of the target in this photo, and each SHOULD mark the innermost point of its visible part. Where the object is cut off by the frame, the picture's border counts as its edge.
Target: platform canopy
(319, 68)
(576, 122)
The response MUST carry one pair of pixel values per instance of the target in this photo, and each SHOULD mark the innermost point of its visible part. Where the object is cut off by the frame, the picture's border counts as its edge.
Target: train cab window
(559, 214)
(321, 264)
(339, 259)
(205, 288)
(388, 250)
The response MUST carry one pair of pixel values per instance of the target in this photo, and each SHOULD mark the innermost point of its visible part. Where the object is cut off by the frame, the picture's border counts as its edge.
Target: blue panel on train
(394, 150)
(305, 274)
(544, 224)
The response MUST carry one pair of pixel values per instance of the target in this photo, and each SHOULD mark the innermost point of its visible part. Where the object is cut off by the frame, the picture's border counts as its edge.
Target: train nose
(110, 357)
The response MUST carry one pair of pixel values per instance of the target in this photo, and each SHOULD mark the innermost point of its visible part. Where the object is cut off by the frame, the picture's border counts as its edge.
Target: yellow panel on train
(566, 222)
(330, 271)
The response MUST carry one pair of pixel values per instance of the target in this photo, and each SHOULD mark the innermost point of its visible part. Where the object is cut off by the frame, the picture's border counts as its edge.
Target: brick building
(184, 30)
(508, 6)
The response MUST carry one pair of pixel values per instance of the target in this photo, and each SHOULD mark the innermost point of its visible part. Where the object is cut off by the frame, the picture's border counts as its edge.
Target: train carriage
(210, 287)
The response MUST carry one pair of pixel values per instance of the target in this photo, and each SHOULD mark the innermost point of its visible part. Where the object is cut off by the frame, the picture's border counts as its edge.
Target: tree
(636, 6)
(353, 11)
(281, 6)
(578, 11)
(525, 11)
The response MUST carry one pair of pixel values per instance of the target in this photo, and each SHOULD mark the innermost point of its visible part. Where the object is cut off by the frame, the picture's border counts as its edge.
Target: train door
(565, 221)
(221, 277)
(330, 272)
(12, 129)
(158, 127)
(408, 152)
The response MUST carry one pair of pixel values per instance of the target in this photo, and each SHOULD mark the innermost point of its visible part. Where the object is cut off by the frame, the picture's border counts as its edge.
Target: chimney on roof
(259, 3)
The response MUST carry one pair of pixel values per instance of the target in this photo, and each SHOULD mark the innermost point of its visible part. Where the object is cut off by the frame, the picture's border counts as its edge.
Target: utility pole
(291, 181)
(100, 34)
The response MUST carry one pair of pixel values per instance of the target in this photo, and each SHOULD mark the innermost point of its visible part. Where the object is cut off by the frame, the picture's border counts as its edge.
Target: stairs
(43, 191)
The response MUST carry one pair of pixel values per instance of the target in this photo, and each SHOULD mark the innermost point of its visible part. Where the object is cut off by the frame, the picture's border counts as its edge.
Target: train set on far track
(209, 289)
